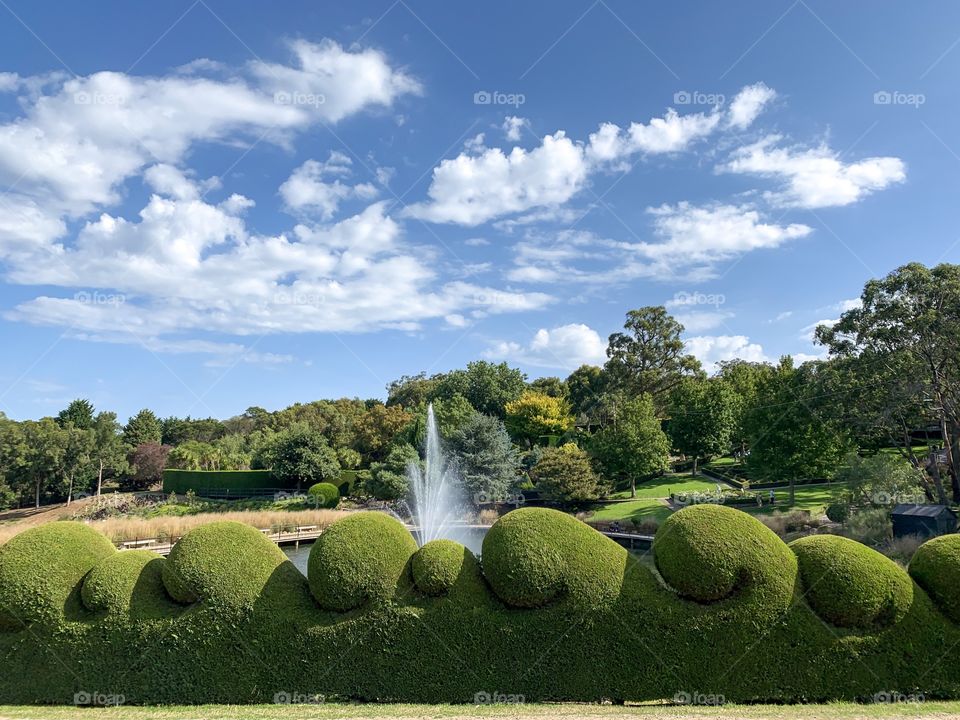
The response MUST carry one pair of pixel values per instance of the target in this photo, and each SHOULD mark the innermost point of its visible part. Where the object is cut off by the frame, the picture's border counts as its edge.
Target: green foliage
(702, 418)
(180, 481)
(532, 556)
(364, 557)
(851, 585)
(881, 480)
(488, 387)
(635, 446)
(558, 612)
(326, 495)
(388, 479)
(486, 458)
(564, 475)
(870, 526)
(79, 413)
(299, 455)
(142, 428)
(936, 568)
(838, 512)
(585, 388)
(41, 570)
(128, 583)
(440, 564)
(709, 552)
(535, 414)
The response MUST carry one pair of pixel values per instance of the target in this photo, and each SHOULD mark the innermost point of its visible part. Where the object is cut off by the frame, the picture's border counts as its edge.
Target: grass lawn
(662, 487)
(814, 498)
(641, 509)
(839, 711)
(650, 503)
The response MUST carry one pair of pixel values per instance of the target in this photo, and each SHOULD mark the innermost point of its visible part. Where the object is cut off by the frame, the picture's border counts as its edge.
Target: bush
(936, 568)
(128, 583)
(361, 558)
(41, 570)
(707, 552)
(871, 526)
(325, 495)
(851, 585)
(564, 475)
(440, 564)
(838, 512)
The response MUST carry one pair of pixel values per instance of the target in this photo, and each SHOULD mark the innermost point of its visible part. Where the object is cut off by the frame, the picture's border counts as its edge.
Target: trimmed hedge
(557, 612)
(326, 495)
(936, 568)
(852, 585)
(179, 481)
(362, 557)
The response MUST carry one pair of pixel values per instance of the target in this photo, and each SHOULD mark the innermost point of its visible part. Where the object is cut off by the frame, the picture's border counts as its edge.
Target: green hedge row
(179, 481)
(555, 611)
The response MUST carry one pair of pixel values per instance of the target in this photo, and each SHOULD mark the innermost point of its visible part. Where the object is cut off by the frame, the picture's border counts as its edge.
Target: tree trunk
(954, 441)
(633, 488)
(100, 478)
(70, 490)
(37, 494)
(694, 466)
(937, 481)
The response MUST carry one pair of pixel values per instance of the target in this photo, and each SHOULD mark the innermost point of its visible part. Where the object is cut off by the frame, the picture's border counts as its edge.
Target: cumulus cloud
(309, 188)
(814, 177)
(566, 347)
(712, 349)
(513, 126)
(748, 104)
(671, 133)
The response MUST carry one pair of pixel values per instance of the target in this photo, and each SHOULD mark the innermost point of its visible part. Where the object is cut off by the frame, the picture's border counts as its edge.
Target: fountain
(435, 491)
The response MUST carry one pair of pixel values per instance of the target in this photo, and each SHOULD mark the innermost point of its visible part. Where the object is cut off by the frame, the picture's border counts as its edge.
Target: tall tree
(743, 378)
(649, 358)
(914, 312)
(79, 412)
(487, 460)
(634, 447)
(564, 475)
(702, 417)
(535, 414)
(487, 386)
(585, 390)
(147, 462)
(109, 453)
(300, 455)
(142, 428)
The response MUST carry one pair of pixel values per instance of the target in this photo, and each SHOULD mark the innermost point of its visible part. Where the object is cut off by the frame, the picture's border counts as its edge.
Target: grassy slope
(843, 711)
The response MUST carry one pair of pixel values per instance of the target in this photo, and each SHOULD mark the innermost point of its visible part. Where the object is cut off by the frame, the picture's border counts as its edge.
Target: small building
(923, 520)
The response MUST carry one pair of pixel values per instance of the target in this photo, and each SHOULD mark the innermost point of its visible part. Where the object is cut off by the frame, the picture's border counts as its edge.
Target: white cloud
(9, 81)
(566, 347)
(748, 104)
(472, 189)
(512, 127)
(814, 177)
(711, 349)
(308, 188)
(671, 133)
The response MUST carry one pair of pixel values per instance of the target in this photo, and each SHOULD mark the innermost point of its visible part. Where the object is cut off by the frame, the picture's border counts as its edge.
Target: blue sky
(211, 205)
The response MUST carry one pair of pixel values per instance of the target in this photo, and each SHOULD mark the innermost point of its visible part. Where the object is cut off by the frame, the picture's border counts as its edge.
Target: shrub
(361, 558)
(871, 526)
(936, 568)
(902, 549)
(851, 585)
(706, 552)
(439, 564)
(326, 495)
(128, 582)
(41, 570)
(564, 474)
(532, 556)
(838, 512)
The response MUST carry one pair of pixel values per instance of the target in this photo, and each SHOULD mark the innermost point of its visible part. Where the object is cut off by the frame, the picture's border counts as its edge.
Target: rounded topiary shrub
(707, 552)
(533, 555)
(225, 562)
(838, 512)
(362, 557)
(439, 564)
(41, 571)
(849, 584)
(128, 582)
(325, 495)
(936, 568)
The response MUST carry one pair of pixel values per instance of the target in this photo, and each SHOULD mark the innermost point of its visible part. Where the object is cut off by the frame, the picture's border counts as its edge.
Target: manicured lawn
(639, 510)
(677, 483)
(814, 498)
(650, 503)
(838, 711)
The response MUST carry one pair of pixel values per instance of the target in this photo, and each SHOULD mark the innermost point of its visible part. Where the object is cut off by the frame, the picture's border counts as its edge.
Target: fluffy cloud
(79, 138)
(748, 104)
(815, 177)
(309, 187)
(566, 347)
(512, 127)
(711, 349)
(671, 133)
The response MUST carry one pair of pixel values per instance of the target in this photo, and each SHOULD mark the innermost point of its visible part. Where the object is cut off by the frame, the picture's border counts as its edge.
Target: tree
(564, 475)
(585, 389)
(388, 479)
(376, 429)
(487, 461)
(535, 414)
(702, 417)
(142, 428)
(881, 480)
(742, 377)
(411, 391)
(79, 412)
(649, 358)
(552, 386)
(77, 457)
(789, 439)
(300, 455)
(194, 455)
(911, 317)
(487, 386)
(108, 452)
(233, 452)
(634, 447)
(147, 462)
